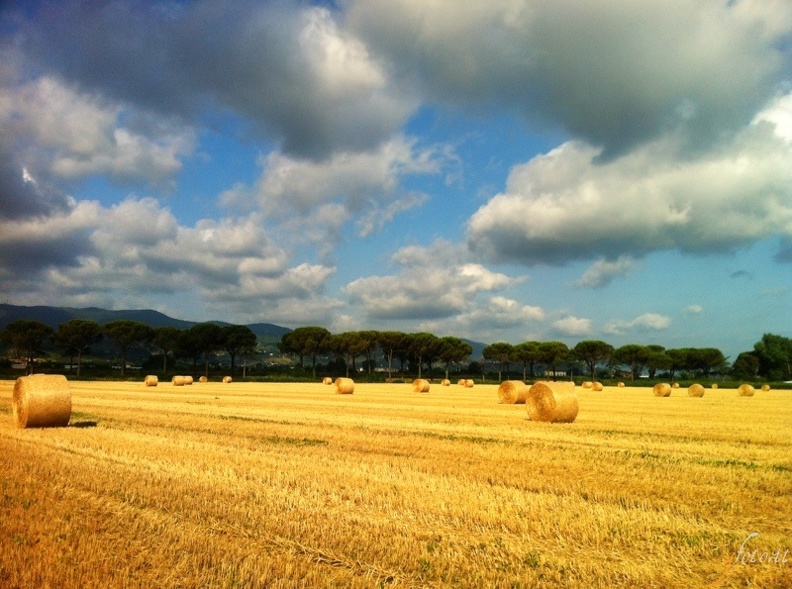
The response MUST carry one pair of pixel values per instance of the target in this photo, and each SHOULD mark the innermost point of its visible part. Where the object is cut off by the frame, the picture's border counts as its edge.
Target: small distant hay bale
(41, 400)
(545, 404)
(344, 386)
(461, 382)
(151, 380)
(745, 390)
(203, 379)
(696, 390)
(714, 385)
(178, 381)
(188, 380)
(620, 385)
(662, 389)
(420, 385)
(596, 386)
(675, 385)
(227, 379)
(587, 384)
(445, 382)
(512, 392)
(468, 383)
(765, 387)
(327, 380)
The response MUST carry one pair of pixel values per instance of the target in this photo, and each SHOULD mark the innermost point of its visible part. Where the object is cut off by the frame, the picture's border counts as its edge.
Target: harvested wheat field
(291, 485)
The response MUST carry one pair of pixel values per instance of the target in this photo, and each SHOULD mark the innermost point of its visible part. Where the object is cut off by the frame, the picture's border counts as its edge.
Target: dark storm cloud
(272, 63)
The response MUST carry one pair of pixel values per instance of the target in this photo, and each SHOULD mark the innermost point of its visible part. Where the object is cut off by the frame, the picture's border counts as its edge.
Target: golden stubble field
(291, 485)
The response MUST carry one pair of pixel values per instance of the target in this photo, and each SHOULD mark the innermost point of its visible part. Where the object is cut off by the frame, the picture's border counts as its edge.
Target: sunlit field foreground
(291, 485)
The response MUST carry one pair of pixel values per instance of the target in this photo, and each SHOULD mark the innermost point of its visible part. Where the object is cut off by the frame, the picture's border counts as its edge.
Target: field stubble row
(288, 485)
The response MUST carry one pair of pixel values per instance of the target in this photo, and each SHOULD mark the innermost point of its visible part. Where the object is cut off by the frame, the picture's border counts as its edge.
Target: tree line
(770, 359)
(27, 339)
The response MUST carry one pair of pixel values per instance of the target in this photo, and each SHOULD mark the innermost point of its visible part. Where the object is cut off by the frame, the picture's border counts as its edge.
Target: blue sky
(500, 171)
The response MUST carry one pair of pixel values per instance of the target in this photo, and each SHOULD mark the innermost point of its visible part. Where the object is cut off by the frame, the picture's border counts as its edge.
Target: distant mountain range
(267, 333)
(54, 316)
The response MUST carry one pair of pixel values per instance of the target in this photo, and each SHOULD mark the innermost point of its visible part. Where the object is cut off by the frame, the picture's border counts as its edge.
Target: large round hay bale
(420, 385)
(445, 382)
(745, 390)
(188, 380)
(151, 380)
(696, 390)
(327, 380)
(546, 404)
(178, 381)
(41, 400)
(511, 392)
(344, 386)
(765, 387)
(227, 379)
(461, 382)
(562, 387)
(596, 386)
(203, 379)
(662, 389)
(468, 383)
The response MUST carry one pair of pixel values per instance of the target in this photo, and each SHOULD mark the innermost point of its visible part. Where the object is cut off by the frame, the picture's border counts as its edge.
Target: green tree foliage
(553, 354)
(167, 340)
(633, 356)
(348, 345)
(746, 366)
(527, 353)
(393, 345)
(307, 341)
(26, 337)
(238, 340)
(593, 353)
(126, 334)
(206, 339)
(774, 353)
(453, 349)
(656, 359)
(76, 337)
(425, 348)
(500, 352)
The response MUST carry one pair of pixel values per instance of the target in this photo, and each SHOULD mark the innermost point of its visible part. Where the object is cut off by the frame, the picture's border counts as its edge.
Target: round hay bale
(227, 379)
(566, 408)
(620, 385)
(714, 385)
(596, 386)
(563, 387)
(203, 379)
(178, 381)
(765, 387)
(554, 406)
(344, 386)
(188, 380)
(468, 383)
(511, 392)
(445, 382)
(41, 400)
(675, 385)
(461, 382)
(662, 389)
(151, 380)
(541, 403)
(695, 390)
(587, 384)
(327, 380)
(420, 385)
(745, 390)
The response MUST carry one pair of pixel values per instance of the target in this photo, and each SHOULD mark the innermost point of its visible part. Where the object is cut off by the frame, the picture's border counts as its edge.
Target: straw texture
(344, 386)
(512, 392)
(41, 400)
(554, 406)
(662, 389)
(178, 381)
(696, 390)
(151, 380)
(420, 385)
(746, 390)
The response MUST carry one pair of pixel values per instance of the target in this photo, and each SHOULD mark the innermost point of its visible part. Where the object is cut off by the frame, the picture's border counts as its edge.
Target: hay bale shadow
(83, 424)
